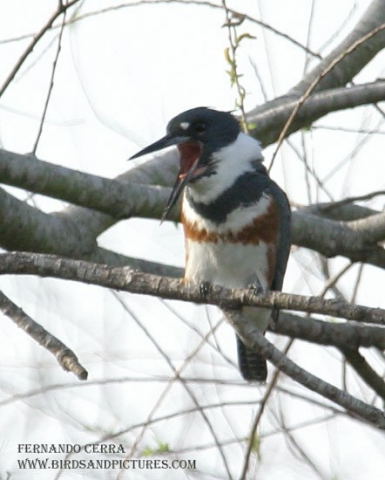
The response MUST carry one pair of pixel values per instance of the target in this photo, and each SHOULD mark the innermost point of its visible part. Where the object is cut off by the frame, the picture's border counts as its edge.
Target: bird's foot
(256, 288)
(204, 289)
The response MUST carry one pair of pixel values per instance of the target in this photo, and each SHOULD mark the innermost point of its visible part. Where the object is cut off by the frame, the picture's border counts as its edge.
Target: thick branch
(108, 196)
(339, 210)
(129, 280)
(355, 240)
(65, 357)
(23, 227)
(254, 339)
(340, 335)
(26, 227)
(136, 282)
(365, 371)
(348, 68)
(270, 120)
(370, 229)
(350, 239)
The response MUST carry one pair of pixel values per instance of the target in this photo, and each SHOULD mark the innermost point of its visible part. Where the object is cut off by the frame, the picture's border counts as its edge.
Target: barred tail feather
(251, 364)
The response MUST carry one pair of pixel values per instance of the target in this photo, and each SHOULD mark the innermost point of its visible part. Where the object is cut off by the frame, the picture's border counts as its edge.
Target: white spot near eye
(184, 125)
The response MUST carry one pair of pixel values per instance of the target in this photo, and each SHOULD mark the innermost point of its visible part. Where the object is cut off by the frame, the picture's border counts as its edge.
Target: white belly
(231, 265)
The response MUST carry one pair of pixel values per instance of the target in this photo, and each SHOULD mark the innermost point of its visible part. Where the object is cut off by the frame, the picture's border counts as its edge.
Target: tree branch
(339, 210)
(347, 68)
(136, 282)
(338, 335)
(365, 371)
(36, 38)
(254, 339)
(318, 79)
(370, 229)
(23, 227)
(65, 357)
(108, 196)
(355, 240)
(333, 238)
(353, 63)
(270, 121)
(129, 280)
(26, 227)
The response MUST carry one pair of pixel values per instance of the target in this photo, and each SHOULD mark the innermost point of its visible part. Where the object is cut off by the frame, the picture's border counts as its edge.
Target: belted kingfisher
(236, 220)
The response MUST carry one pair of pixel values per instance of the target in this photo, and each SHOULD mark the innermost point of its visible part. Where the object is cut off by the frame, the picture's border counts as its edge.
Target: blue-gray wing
(252, 364)
(283, 237)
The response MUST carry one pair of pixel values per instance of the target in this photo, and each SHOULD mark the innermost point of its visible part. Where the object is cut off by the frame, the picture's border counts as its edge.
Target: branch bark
(108, 196)
(65, 357)
(69, 234)
(365, 371)
(129, 280)
(338, 335)
(254, 339)
(230, 300)
(346, 70)
(269, 121)
(353, 63)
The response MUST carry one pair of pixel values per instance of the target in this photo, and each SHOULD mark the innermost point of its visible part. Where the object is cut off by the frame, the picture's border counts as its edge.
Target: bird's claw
(256, 288)
(204, 289)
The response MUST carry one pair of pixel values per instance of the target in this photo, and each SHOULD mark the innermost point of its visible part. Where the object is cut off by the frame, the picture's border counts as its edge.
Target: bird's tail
(251, 364)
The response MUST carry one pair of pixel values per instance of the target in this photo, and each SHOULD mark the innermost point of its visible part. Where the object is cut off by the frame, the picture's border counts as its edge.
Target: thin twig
(290, 437)
(214, 345)
(309, 170)
(234, 13)
(234, 75)
(177, 377)
(258, 416)
(202, 3)
(345, 201)
(349, 130)
(354, 152)
(232, 441)
(316, 81)
(333, 280)
(50, 88)
(32, 44)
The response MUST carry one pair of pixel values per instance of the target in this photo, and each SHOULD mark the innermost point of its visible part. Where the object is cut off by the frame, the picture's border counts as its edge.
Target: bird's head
(198, 133)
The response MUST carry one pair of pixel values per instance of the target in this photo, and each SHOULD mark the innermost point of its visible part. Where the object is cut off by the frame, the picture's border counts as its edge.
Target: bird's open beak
(190, 153)
(164, 142)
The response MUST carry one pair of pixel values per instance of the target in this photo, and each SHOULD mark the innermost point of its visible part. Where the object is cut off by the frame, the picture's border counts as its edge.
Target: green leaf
(148, 452)
(162, 447)
(256, 445)
(228, 56)
(245, 35)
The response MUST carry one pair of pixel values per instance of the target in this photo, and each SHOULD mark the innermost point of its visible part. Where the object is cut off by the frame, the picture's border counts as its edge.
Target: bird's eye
(200, 127)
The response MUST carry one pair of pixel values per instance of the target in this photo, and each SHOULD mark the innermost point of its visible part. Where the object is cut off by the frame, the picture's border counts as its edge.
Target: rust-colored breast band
(263, 228)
